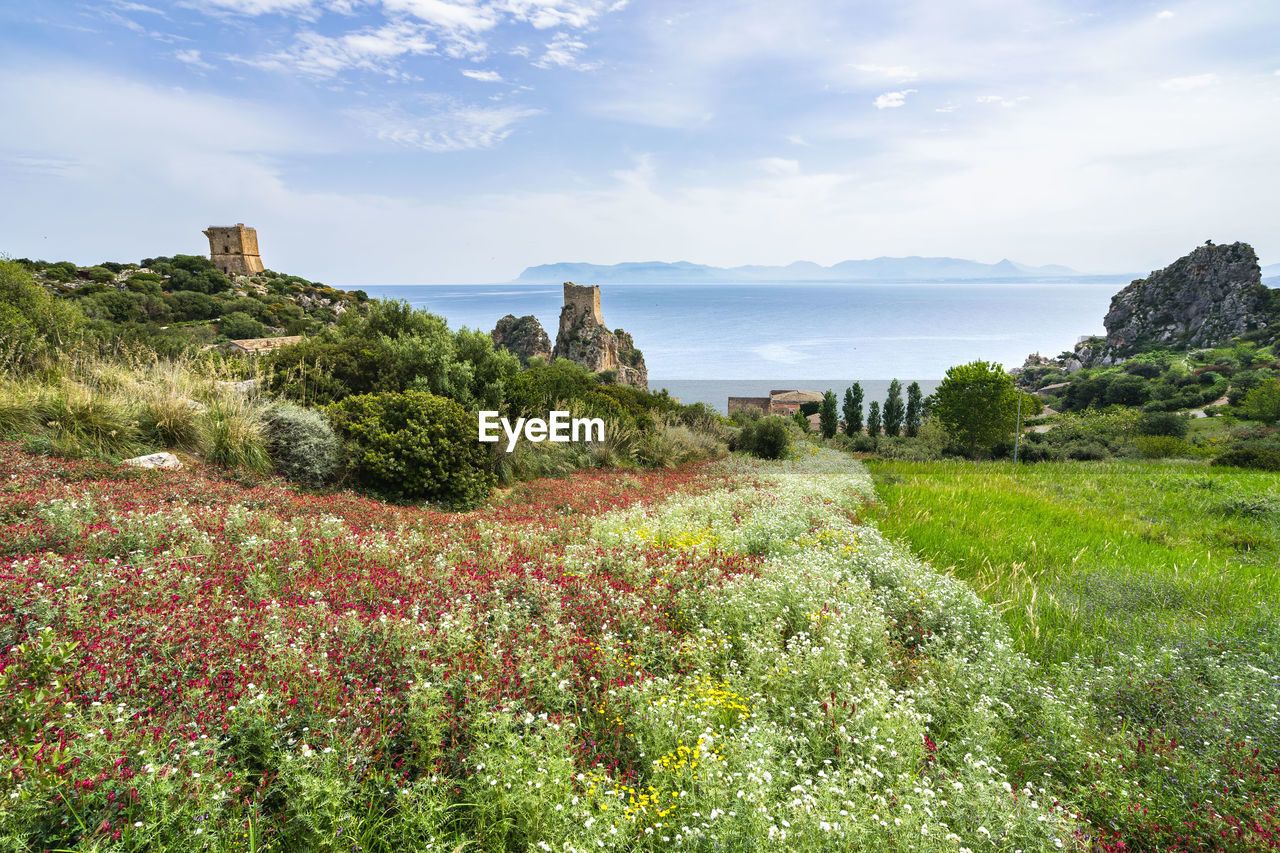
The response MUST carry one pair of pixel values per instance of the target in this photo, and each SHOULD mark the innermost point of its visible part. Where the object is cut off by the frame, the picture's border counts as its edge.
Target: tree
(914, 395)
(1263, 402)
(853, 410)
(873, 419)
(827, 415)
(238, 326)
(802, 420)
(977, 405)
(893, 410)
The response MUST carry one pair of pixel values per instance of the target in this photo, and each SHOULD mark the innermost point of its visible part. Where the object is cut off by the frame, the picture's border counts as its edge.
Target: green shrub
(1250, 456)
(1162, 424)
(767, 438)
(231, 436)
(302, 444)
(238, 326)
(1161, 446)
(34, 326)
(1086, 451)
(1262, 403)
(414, 446)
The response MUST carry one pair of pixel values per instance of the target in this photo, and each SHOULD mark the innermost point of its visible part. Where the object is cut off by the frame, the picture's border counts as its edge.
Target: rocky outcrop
(1201, 300)
(523, 336)
(584, 338)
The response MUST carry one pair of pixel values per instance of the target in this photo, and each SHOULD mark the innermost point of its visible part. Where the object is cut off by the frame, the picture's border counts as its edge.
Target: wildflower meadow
(724, 656)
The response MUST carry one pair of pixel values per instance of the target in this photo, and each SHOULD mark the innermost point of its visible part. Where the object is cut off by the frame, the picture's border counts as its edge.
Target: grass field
(1151, 590)
(1080, 555)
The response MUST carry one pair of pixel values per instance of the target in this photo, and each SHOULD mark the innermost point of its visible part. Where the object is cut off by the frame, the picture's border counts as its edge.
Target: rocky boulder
(1201, 300)
(523, 337)
(584, 338)
(163, 461)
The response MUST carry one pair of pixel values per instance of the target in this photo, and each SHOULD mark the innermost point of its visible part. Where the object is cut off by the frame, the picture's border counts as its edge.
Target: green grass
(1080, 557)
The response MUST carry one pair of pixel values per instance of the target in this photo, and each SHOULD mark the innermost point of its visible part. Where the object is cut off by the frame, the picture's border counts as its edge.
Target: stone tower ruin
(585, 339)
(234, 249)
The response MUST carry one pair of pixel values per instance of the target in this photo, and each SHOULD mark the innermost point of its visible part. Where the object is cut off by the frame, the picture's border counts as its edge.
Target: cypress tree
(913, 409)
(827, 414)
(873, 419)
(893, 410)
(853, 410)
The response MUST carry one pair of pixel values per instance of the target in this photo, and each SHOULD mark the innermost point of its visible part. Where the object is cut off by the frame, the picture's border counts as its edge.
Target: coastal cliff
(523, 337)
(584, 338)
(1203, 299)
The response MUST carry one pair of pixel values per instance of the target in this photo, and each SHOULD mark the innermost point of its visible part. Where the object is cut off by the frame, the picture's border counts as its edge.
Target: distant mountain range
(876, 269)
(1271, 275)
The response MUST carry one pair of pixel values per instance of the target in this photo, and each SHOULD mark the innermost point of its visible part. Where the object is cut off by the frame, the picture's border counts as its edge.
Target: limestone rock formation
(523, 336)
(1200, 300)
(584, 338)
(163, 461)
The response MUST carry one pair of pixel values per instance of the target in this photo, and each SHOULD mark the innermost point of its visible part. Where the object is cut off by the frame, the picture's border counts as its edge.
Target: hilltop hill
(185, 300)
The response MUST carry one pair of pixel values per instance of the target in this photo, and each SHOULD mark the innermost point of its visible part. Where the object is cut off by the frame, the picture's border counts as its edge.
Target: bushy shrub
(1250, 456)
(34, 326)
(415, 446)
(1262, 403)
(860, 443)
(767, 438)
(1161, 446)
(302, 444)
(238, 325)
(1162, 424)
(1086, 451)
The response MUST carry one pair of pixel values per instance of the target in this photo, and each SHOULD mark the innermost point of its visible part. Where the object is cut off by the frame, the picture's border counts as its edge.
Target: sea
(707, 342)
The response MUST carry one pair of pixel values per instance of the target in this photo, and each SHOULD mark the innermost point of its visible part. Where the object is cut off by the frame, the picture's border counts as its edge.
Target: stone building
(234, 249)
(779, 402)
(258, 346)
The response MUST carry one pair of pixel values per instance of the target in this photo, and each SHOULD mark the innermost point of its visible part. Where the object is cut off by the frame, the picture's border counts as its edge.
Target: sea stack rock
(523, 337)
(1200, 300)
(585, 339)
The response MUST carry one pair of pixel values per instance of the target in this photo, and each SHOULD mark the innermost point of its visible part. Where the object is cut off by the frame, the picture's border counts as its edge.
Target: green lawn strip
(1078, 556)
(1148, 590)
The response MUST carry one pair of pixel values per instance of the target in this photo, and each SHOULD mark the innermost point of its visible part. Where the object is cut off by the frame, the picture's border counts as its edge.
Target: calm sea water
(707, 342)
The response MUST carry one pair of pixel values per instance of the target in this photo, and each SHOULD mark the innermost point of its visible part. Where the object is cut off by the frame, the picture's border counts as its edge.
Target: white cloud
(451, 128)
(562, 52)
(545, 14)
(373, 50)
(483, 76)
(253, 8)
(1190, 83)
(892, 99)
(1001, 100)
(191, 57)
(1164, 15)
(467, 16)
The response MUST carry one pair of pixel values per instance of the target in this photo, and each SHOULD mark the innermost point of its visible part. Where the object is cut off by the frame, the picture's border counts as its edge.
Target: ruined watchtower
(234, 249)
(580, 302)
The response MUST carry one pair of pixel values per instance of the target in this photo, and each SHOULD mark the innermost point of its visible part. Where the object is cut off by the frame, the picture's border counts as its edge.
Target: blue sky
(403, 141)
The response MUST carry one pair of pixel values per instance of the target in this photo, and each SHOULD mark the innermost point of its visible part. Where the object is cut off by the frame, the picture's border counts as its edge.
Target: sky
(422, 141)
